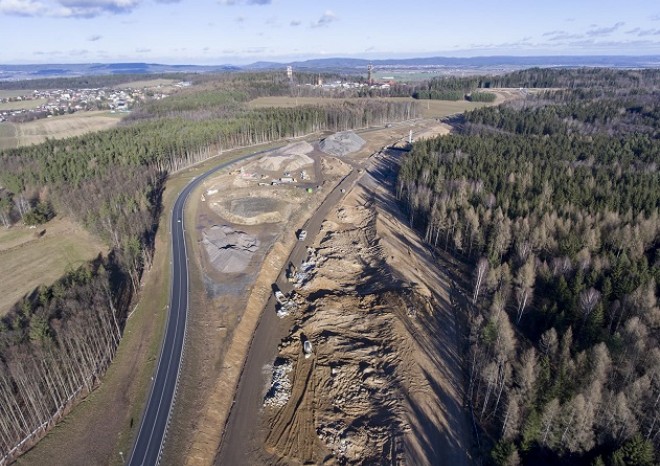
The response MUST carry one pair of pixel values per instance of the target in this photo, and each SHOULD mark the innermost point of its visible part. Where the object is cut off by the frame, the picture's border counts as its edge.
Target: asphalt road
(155, 419)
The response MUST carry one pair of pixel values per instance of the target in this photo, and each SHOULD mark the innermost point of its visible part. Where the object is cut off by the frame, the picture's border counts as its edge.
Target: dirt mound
(229, 250)
(340, 144)
(289, 158)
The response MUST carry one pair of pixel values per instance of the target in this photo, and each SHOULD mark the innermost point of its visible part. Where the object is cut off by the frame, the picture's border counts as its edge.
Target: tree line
(554, 205)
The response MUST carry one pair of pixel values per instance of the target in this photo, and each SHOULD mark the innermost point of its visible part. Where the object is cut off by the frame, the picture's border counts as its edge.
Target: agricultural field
(290, 102)
(443, 108)
(147, 83)
(8, 93)
(21, 105)
(7, 135)
(407, 75)
(429, 108)
(24, 134)
(31, 257)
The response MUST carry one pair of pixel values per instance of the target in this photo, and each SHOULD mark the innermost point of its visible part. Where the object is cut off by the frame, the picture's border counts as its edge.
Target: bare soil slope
(382, 381)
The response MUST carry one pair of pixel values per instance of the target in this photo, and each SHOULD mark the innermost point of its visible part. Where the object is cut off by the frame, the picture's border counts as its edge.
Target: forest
(57, 342)
(552, 203)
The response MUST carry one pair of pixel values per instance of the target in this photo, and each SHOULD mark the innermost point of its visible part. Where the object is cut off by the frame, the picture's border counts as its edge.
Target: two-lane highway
(150, 439)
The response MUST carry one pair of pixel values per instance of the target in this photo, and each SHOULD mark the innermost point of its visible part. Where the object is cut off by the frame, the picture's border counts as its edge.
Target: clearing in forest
(429, 108)
(31, 257)
(60, 127)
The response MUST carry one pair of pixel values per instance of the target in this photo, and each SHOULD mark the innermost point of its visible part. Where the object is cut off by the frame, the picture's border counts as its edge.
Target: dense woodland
(553, 202)
(57, 342)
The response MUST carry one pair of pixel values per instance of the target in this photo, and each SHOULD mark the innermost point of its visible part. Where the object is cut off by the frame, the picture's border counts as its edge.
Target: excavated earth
(370, 388)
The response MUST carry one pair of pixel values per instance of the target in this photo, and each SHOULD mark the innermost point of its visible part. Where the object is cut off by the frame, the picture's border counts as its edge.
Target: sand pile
(229, 250)
(289, 158)
(341, 144)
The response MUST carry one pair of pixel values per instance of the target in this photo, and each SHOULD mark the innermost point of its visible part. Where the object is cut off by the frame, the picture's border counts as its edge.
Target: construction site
(323, 313)
(355, 379)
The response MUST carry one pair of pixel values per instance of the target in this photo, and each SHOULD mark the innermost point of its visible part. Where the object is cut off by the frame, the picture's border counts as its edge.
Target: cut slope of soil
(382, 383)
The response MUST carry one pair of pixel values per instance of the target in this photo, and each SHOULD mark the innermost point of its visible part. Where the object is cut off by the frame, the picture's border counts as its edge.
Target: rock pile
(229, 250)
(340, 144)
(289, 158)
(280, 388)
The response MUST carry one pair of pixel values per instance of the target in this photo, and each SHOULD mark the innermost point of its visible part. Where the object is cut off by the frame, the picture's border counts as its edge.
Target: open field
(22, 105)
(5, 94)
(147, 83)
(7, 135)
(289, 102)
(443, 108)
(407, 76)
(35, 132)
(32, 257)
(429, 108)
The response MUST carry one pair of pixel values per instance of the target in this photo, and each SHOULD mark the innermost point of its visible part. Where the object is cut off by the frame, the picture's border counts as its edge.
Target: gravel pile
(229, 250)
(340, 144)
(289, 158)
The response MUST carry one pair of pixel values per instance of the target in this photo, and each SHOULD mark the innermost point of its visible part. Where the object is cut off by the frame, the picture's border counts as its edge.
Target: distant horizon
(302, 59)
(238, 32)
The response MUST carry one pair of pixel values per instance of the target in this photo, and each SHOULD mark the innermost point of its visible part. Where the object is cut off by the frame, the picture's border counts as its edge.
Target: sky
(214, 32)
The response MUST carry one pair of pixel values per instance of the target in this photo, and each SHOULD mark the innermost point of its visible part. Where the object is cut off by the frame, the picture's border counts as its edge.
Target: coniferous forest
(552, 203)
(57, 342)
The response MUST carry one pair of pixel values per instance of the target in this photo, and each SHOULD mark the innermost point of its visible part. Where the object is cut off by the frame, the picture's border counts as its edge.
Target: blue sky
(244, 31)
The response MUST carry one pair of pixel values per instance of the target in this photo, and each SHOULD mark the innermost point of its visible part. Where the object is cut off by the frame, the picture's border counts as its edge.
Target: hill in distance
(347, 65)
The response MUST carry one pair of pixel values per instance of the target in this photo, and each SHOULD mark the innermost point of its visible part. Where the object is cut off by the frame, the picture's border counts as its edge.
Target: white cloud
(649, 32)
(295, 22)
(21, 7)
(71, 8)
(553, 33)
(605, 31)
(90, 8)
(325, 19)
(244, 2)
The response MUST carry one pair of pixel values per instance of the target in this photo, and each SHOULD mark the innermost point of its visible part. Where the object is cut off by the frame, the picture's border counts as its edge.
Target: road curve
(150, 439)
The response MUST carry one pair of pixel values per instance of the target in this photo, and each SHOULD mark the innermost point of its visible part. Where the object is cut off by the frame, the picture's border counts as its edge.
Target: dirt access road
(384, 383)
